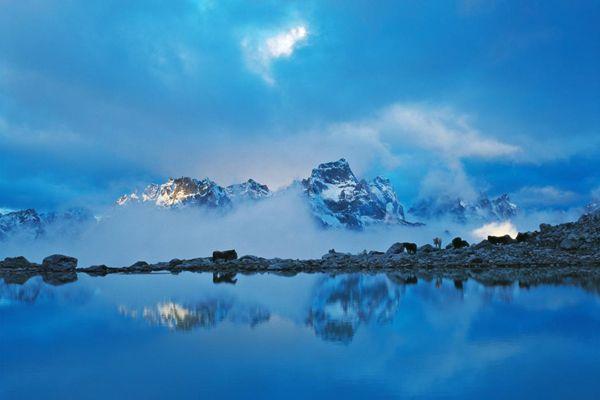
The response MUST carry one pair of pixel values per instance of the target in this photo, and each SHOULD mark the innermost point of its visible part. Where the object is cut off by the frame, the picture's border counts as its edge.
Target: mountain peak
(338, 198)
(249, 190)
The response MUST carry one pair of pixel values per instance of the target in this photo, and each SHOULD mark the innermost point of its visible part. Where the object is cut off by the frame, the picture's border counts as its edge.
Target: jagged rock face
(249, 190)
(25, 223)
(181, 192)
(72, 215)
(338, 198)
(29, 224)
(483, 209)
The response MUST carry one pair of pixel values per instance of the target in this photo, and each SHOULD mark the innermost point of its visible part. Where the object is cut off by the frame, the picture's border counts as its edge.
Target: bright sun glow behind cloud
(496, 229)
(283, 44)
(261, 50)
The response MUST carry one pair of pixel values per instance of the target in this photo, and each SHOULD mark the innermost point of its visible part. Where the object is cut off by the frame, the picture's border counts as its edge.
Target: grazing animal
(437, 242)
(224, 277)
(411, 248)
(458, 243)
(227, 255)
(506, 239)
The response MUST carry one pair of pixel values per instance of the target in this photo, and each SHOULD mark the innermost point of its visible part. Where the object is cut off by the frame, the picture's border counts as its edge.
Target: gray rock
(569, 244)
(16, 262)
(396, 248)
(427, 248)
(59, 263)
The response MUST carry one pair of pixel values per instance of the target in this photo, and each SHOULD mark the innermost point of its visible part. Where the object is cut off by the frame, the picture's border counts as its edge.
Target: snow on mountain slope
(339, 199)
(29, 224)
(181, 192)
(249, 190)
(24, 223)
(459, 210)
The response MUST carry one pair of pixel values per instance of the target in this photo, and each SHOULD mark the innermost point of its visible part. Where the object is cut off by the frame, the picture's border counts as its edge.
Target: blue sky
(100, 97)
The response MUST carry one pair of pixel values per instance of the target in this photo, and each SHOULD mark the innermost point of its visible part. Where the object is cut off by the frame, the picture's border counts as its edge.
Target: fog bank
(281, 226)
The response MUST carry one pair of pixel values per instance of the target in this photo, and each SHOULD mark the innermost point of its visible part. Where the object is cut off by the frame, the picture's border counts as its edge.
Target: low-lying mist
(281, 226)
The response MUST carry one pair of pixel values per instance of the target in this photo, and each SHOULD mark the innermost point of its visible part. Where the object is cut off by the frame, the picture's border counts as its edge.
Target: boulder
(99, 270)
(140, 266)
(16, 262)
(396, 248)
(523, 237)
(427, 248)
(545, 227)
(227, 255)
(59, 263)
(569, 244)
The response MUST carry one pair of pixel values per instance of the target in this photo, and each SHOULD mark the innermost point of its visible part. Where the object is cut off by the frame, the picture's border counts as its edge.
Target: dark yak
(506, 239)
(227, 255)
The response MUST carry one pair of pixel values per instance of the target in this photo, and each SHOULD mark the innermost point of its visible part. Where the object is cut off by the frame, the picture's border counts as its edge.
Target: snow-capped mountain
(181, 192)
(459, 210)
(25, 223)
(338, 198)
(30, 224)
(249, 190)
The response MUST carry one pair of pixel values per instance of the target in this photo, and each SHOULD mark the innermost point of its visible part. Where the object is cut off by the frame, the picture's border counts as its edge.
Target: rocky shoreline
(568, 251)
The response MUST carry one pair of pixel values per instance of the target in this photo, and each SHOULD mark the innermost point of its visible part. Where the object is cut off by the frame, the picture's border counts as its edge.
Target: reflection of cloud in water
(342, 303)
(206, 314)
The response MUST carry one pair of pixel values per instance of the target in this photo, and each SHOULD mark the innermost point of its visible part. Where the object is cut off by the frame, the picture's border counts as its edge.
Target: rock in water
(19, 262)
(59, 263)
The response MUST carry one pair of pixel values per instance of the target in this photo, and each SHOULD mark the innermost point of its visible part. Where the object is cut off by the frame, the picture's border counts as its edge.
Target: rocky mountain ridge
(30, 224)
(462, 211)
(336, 196)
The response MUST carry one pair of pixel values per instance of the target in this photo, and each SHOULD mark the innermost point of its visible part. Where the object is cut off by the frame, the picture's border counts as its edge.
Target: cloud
(495, 229)
(260, 51)
(440, 130)
(438, 137)
(544, 196)
(281, 226)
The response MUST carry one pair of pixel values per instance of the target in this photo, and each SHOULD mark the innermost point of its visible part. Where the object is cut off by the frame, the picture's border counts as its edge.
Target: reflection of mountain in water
(342, 303)
(37, 290)
(206, 314)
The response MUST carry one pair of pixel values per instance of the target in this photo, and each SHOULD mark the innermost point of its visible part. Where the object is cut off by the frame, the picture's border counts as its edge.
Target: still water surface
(307, 336)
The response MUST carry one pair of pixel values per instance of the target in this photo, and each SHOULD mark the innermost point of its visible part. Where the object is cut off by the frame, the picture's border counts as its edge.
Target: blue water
(307, 336)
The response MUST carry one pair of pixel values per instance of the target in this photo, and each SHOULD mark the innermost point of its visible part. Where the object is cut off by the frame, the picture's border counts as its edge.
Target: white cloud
(495, 229)
(262, 49)
(397, 136)
(440, 135)
(440, 130)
